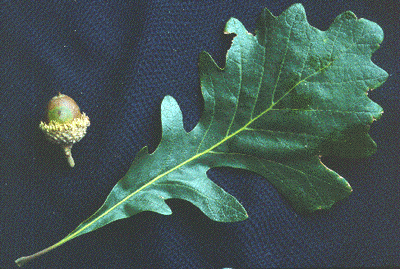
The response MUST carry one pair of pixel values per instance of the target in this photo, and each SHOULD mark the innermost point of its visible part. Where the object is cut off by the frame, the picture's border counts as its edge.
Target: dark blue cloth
(118, 59)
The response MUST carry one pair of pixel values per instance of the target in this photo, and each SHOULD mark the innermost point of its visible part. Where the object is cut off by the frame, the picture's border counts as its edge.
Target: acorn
(64, 123)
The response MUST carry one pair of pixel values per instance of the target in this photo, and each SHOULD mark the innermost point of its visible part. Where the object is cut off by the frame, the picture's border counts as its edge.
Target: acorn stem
(68, 154)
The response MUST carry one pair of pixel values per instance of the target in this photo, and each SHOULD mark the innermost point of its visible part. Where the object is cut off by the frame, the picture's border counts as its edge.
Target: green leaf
(286, 96)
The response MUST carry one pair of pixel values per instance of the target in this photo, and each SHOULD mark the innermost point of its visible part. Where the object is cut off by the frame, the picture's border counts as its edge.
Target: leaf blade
(274, 92)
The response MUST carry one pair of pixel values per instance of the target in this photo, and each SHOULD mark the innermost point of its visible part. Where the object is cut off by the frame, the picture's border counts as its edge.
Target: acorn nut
(64, 123)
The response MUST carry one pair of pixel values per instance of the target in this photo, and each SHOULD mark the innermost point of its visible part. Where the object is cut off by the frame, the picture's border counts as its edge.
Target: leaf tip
(234, 26)
(298, 7)
(171, 114)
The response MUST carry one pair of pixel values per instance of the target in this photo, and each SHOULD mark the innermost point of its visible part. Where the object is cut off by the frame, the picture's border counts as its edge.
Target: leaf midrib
(194, 157)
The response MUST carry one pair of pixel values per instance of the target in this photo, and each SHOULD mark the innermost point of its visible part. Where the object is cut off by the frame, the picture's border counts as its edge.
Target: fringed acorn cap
(64, 124)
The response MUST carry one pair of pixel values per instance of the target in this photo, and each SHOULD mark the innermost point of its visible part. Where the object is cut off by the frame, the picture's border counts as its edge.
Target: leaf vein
(281, 64)
(281, 132)
(238, 96)
(197, 191)
(336, 37)
(294, 169)
(211, 121)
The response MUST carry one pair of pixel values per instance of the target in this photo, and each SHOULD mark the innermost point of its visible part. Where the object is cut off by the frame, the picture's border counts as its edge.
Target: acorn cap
(64, 124)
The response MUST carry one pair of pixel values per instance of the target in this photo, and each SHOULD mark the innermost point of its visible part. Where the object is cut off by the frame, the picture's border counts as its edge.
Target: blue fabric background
(118, 59)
